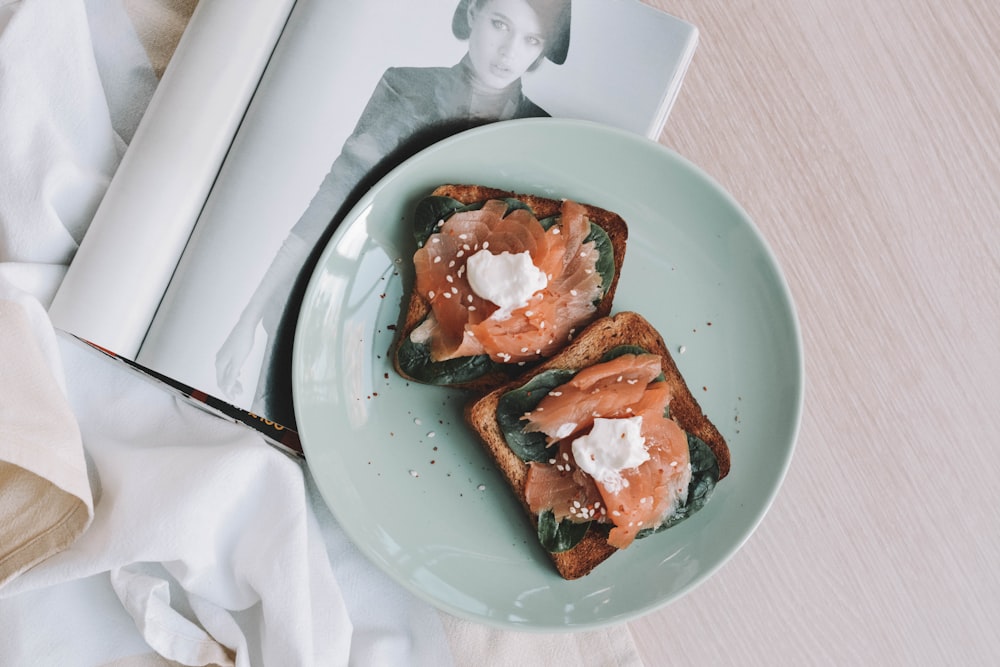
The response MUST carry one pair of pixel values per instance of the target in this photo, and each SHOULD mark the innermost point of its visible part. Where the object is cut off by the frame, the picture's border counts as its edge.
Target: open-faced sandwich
(603, 443)
(502, 282)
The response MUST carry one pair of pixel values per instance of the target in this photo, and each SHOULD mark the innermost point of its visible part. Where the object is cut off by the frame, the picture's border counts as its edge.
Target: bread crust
(626, 328)
(417, 307)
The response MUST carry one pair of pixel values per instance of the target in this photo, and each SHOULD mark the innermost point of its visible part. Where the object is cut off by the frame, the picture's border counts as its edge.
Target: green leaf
(432, 210)
(606, 258)
(415, 360)
(619, 350)
(558, 536)
(512, 406)
(514, 204)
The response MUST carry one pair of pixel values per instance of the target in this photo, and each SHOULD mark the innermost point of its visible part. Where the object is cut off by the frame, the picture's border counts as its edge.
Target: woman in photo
(410, 109)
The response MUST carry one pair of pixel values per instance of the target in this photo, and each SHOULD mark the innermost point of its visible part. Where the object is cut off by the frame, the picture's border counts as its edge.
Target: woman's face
(505, 39)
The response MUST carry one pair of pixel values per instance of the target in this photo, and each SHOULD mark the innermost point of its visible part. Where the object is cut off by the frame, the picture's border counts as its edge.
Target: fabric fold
(45, 495)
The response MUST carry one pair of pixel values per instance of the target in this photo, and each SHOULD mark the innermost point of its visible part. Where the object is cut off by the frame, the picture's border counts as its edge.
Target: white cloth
(210, 541)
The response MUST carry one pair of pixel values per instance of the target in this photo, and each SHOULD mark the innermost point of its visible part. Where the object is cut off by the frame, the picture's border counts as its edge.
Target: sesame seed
(524, 349)
(555, 230)
(565, 456)
(454, 290)
(471, 308)
(414, 473)
(431, 294)
(447, 295)
(451, 264)
(437, 259)
(460, 253)
(486, 244)
(449, 279)
(576, 504)
(469, 298)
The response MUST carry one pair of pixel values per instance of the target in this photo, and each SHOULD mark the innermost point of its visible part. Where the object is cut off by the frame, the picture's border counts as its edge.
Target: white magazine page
(122, 268)
(322, 103)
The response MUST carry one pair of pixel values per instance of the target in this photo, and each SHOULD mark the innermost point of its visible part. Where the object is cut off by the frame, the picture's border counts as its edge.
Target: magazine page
(122, 267)
(354, 88)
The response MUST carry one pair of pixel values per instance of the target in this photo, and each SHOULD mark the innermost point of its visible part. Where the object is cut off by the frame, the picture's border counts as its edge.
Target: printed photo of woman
(410, 109)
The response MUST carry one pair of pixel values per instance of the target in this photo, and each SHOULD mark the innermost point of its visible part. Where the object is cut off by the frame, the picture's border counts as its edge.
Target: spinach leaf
(606, 258)
(559, 536)
(619, 350)
(429, 212)
(512, 406)
(415, 360)
(513, 204)
(704, 476)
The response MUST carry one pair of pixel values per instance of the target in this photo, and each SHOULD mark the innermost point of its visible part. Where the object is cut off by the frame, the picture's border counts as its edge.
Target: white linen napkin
(209, 539)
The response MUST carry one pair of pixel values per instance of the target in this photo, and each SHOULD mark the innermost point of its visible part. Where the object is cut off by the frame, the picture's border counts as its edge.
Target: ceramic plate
(406, 478)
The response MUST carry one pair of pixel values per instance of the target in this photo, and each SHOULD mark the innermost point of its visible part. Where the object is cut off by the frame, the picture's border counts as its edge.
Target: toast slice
(587, 349)
(416, 308)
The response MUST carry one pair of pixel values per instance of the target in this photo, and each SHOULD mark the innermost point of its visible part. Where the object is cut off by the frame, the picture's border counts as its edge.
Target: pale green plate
(406, 478)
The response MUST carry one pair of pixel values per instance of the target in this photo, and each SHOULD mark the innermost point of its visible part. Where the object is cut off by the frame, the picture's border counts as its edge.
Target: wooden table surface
(863, 138)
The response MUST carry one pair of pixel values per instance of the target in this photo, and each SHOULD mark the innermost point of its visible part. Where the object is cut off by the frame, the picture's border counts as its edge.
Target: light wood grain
(864, 140)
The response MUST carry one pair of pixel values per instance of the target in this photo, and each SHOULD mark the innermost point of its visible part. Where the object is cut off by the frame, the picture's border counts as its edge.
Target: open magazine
(275, 116)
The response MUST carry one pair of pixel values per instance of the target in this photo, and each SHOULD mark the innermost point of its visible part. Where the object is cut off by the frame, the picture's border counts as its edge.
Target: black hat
(555, 15)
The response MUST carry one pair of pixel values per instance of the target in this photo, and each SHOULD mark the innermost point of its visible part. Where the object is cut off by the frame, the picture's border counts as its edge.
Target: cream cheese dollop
(507, 279)
(613, 445)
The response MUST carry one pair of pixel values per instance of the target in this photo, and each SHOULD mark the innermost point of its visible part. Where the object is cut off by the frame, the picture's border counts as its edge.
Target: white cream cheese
(613, 445)
(506, 279)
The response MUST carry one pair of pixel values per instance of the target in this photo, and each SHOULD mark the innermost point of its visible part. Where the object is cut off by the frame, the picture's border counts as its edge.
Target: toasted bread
(586, 350)
(416, 308)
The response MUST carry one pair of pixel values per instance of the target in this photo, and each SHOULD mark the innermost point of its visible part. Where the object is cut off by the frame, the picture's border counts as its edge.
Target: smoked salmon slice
(463, 323)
